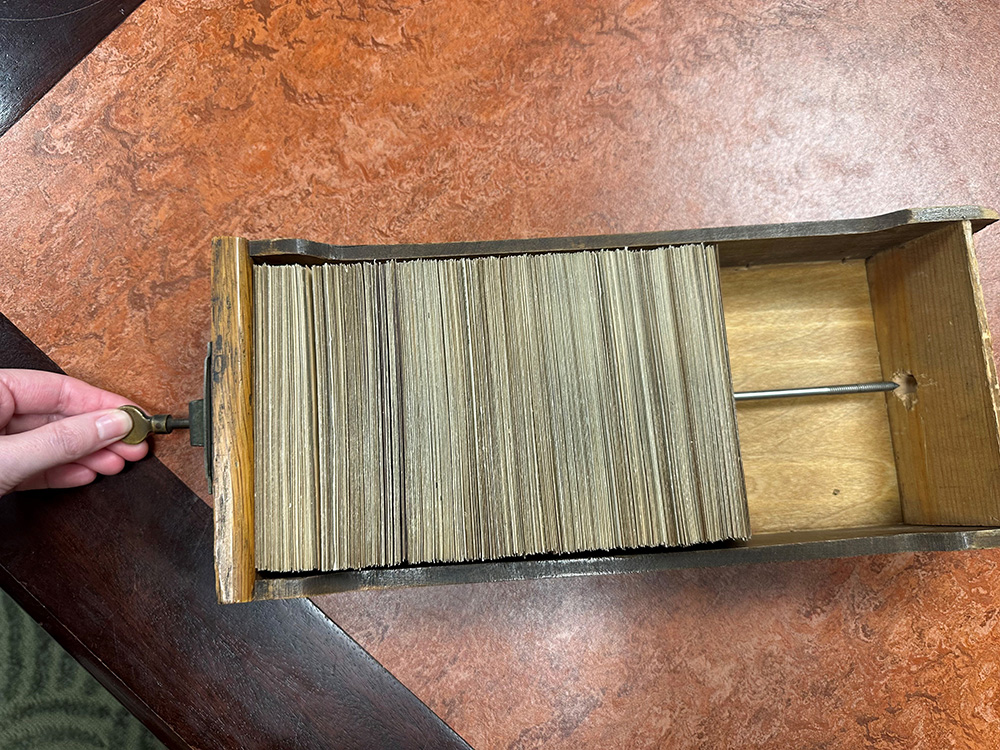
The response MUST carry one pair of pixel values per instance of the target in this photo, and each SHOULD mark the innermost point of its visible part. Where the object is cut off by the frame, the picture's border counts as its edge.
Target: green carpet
(47, 700)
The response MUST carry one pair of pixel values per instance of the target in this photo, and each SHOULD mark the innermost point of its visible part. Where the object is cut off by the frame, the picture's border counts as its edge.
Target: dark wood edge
(121, 573)
(763, 548)
(40, 48)
(737, 245)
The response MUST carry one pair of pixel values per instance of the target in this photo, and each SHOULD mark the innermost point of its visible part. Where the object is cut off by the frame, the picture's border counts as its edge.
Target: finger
(38, 392)
(68, 475)
(130, 452)
(25, 422)
(104, 461)
(28, 453)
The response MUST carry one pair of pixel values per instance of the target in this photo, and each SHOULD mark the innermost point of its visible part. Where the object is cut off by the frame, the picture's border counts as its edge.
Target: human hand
(57, 431)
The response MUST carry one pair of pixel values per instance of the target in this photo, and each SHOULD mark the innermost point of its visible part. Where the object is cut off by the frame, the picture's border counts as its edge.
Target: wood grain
(810, 463)
(232, 418)
(931, 324)
(120, 572)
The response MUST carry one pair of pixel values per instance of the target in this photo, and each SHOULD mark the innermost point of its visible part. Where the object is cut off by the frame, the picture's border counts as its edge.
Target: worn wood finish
(120, 572)
(42, 41)
(931, 324)
(810, 463)
(845, 239)
(232, 418)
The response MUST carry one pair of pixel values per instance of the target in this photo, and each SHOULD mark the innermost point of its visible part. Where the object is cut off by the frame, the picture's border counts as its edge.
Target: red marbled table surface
(432, 121)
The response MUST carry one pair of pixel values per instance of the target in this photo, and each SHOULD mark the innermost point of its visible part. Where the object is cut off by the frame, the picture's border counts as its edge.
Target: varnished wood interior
(915, 312)
(810, 463)
(931, 326)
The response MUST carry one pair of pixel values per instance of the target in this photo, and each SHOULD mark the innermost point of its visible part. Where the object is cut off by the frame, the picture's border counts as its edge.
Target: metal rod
(820, 390)
(178, 423)
(164, 423)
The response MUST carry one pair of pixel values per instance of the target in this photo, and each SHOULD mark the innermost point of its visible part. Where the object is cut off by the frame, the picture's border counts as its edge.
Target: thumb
(61, 442)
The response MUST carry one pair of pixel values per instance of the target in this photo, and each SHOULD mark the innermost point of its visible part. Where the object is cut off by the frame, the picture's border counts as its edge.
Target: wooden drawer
(894, 297)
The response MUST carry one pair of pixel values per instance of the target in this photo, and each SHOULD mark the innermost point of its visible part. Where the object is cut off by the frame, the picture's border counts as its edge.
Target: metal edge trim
(852, 543)
(978, 215)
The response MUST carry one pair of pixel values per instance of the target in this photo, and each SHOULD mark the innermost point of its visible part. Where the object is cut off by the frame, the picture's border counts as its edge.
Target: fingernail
(114, 424)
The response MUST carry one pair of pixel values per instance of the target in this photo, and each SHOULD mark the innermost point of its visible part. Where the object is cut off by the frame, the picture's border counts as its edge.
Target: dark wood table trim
(121, 574)
(43, 41)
